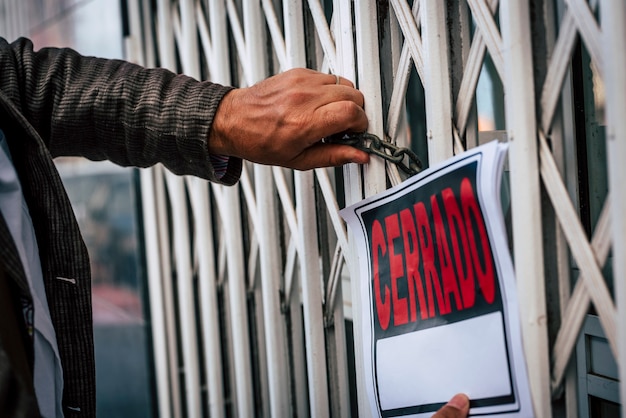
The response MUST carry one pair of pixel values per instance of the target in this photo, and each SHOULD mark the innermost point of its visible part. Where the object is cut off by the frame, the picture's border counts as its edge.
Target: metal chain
(372, 144)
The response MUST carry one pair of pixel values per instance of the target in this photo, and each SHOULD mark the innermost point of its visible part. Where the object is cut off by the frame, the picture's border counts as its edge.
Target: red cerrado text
(443, 261)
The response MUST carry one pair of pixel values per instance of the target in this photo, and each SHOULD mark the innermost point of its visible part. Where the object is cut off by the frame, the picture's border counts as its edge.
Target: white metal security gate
(250, 285)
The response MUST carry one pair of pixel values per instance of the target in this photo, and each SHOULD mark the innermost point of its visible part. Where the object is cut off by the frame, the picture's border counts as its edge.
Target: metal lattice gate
(253, 281)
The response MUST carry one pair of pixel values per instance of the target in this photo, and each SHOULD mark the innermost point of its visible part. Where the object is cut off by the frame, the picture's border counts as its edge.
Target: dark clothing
(55, 102)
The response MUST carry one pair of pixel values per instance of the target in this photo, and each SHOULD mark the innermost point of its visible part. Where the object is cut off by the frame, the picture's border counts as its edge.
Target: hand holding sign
(458, 407)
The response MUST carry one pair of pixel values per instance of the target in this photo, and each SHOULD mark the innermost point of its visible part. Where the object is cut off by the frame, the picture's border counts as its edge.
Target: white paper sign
(439, 307)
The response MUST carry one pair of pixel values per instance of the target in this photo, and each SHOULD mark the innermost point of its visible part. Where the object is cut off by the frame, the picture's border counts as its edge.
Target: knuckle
(296, 75)
(352, 113)
(298, 97)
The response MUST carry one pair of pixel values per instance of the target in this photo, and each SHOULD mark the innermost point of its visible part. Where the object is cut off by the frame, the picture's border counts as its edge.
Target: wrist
(219, 142)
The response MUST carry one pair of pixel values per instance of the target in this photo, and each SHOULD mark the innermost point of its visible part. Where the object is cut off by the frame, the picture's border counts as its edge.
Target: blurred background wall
(103, 197)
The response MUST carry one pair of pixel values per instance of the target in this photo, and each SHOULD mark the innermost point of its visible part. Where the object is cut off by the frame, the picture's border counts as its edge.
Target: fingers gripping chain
(372, 144)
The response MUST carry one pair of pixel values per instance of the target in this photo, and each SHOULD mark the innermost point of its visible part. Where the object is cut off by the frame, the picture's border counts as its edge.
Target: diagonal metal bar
(465, 98)
(221, 261)
(483, 16)
(412, 37)
(398, 94)
(578, 305)
(467, 90)
(458, 145)
(559, 64)
(290, 267)
(323, 32)
(557, 69)
(333, 283)
(250, 197)
(253, 258)
(589, 31)
(240, 42)
(275, 32)
(285, 199)
(222, 250)
(401, 81)
(205, 41)
(333, 208)
(575, 235)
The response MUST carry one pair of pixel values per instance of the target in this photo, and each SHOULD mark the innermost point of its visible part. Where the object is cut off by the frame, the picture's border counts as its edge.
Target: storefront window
(103, 198)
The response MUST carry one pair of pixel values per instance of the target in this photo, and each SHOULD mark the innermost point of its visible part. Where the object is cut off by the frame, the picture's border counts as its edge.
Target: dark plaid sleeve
(115, 110)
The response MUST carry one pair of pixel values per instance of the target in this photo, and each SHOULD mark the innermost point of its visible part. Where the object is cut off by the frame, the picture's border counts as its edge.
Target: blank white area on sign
(431, 365)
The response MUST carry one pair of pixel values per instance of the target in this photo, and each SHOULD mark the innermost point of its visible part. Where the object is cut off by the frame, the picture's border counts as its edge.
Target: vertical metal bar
(186, 303)
(268, 226)
(344, 45)
(168, 295)
(263, 389)
(353, 193)
(133, 42)
(148, 34)
(166, 34)
(168, 60)
(232, 227)
(368, 63)
(311, 294)
(207, 273)
(237, 291)
(208, 294)
(219, 37)
(437, 82)
(308, 253)
(188, 47)
(525, 197)
(155, 291)
(152, 254)
(560, 253)
(465, 24)
(341, 354)
(614, 33)
(298, 355)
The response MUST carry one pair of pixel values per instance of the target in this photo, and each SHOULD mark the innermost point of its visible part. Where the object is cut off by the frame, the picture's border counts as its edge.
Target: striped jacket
(55, 102)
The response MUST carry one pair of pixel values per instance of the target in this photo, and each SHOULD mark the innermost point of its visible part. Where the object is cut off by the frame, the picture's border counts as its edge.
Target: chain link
(372, 144)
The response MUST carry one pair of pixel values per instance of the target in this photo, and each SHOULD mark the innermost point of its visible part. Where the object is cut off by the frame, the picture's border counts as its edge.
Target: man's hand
(281, 121)
(457, 407)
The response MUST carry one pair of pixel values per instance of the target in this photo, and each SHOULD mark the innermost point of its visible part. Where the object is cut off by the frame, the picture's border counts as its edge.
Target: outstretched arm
(112, 109)
(115, 110)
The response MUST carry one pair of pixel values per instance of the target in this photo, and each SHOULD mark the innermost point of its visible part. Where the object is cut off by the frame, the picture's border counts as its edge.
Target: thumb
(457, 407)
